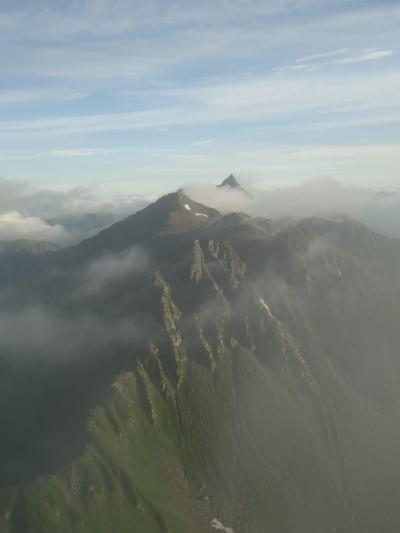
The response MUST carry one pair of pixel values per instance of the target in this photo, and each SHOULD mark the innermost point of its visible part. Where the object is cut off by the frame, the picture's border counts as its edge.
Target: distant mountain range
(185, 371)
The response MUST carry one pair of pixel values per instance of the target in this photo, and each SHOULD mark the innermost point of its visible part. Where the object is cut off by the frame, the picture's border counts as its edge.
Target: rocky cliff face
(265, 396)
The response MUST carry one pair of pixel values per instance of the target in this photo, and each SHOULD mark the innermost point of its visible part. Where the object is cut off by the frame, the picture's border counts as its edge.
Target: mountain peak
(179, 202)
(172, 214)
(230, 181)
(173, 201)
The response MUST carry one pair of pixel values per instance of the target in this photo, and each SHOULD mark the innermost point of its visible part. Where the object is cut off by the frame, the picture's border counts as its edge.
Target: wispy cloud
(298, 66)
(198, 71)
(77, 152)
(368, 55)
(326, 58)
(337, 152)
(203, 142)
(323, 55)
(256, 98)
(99, 40)
(18, 97)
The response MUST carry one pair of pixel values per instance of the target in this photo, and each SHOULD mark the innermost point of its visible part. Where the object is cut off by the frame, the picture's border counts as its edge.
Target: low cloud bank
(37, 331)
(379, 209)
(70, 216)
(61, 217)
(102, 273)
(72, 326)
(13, 226)
(225, 199)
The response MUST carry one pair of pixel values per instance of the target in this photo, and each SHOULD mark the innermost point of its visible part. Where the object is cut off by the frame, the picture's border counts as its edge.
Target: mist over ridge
(195, 367)
(66, 217)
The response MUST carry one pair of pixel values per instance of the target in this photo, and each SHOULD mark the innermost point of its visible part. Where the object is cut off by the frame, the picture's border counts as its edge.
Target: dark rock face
(264, 394)
(232, 183)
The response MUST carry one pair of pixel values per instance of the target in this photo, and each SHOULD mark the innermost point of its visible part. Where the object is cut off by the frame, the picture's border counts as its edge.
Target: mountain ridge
(260, 391)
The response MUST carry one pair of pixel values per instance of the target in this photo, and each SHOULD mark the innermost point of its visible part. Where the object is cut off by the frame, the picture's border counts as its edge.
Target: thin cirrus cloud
(323, 55)
(253, 98)
(365, 151)
(76, 152)
(20, 97)
(309, 61)
(110, 45)
(326, 58)
(89, 84)
(368, 55)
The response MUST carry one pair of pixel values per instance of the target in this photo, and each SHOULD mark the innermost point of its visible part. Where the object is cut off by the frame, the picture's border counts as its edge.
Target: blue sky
(144, 96)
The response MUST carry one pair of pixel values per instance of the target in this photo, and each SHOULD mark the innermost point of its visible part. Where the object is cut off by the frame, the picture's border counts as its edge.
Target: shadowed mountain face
(183, 368)
(26, 246)
(232, 183)
(173, 215)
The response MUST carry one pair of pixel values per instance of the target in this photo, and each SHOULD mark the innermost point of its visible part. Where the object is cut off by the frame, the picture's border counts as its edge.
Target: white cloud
(204, 142)
(368, 55)
(372, 120)
(290, 67)
(310, 61)
(40, 331)
(102, 41)
(60, 216)
(223, 199)
(77, 152)
(14, 226)
(105, 18)
(379, 209)
(159, 66)
(111, 268)
(338, 152)
(323, 55)
(20, 97)
(253, 98)
(46, 203)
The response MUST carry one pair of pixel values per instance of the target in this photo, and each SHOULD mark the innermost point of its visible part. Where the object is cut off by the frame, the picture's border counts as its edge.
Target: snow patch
(217, 524)
(188, 208)
(266, 307)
